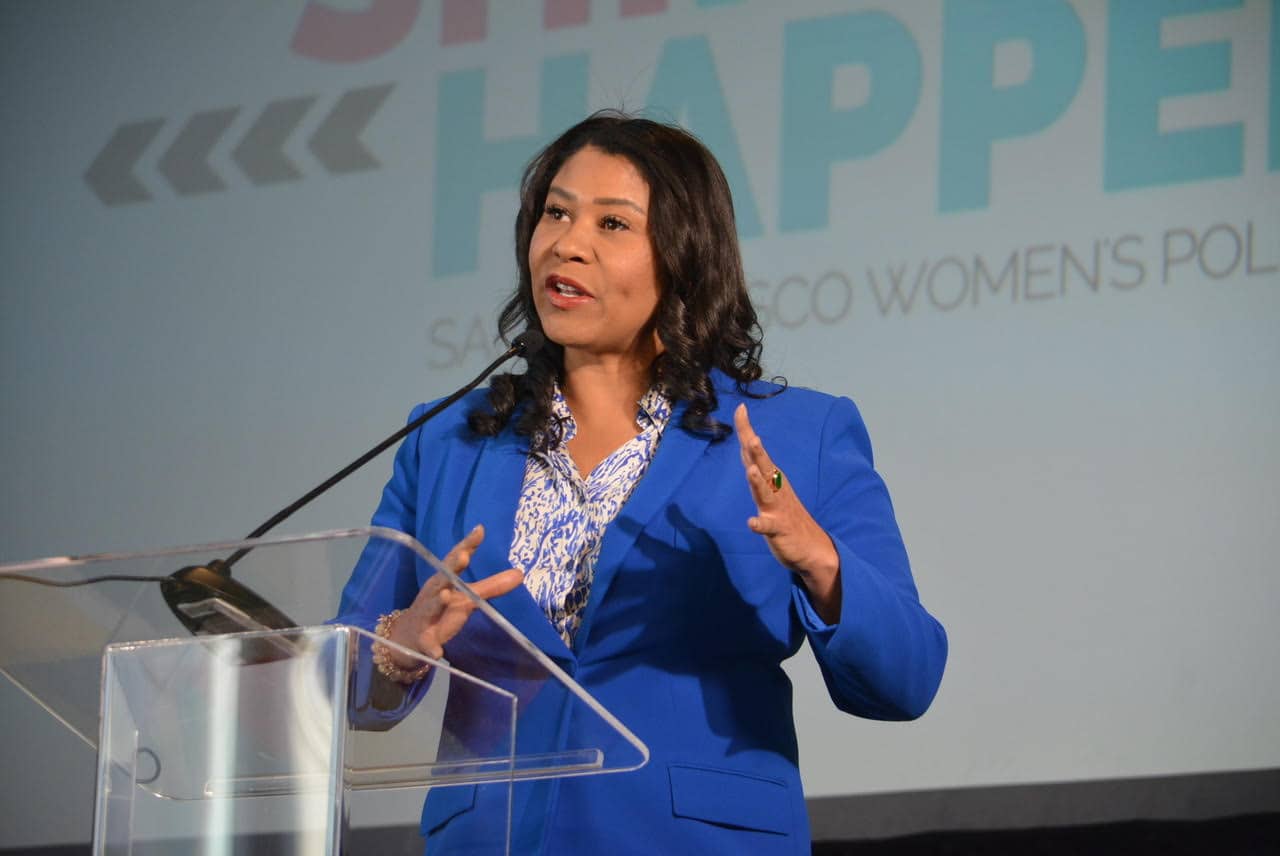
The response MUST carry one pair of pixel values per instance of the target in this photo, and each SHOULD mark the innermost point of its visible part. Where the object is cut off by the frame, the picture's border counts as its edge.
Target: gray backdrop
(1037, 242)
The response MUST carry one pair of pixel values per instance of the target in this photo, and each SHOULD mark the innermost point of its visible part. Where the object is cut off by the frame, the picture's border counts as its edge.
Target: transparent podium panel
(233, 696)
(214, 742)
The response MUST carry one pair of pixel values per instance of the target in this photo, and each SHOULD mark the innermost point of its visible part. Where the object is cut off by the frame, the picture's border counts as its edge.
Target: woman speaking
(681, 525)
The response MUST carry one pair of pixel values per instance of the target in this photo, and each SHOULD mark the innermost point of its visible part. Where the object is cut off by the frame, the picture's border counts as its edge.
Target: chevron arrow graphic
(110, 176)
(261, 153)
(185, 164)
(336, 143)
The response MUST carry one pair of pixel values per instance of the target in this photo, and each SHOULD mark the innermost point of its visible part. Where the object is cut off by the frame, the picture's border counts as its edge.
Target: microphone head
(529, 343)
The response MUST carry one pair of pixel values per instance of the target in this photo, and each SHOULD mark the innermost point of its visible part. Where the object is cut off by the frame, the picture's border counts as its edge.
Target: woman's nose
(571, 244)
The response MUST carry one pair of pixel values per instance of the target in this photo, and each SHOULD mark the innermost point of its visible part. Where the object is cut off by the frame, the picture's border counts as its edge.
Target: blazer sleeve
(385, 578)
(386, 575)
(885, 657)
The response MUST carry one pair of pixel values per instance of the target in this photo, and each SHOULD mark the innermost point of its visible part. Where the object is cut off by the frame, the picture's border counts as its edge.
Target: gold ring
(776, 480)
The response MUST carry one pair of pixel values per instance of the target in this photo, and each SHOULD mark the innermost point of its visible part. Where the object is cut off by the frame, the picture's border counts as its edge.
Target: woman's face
(595, 286)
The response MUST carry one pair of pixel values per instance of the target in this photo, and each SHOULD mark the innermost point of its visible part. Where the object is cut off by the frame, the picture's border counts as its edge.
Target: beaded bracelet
(382, 654)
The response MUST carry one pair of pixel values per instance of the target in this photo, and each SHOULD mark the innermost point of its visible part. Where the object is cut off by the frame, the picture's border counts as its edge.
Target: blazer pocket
(730, 798)
(444, 804)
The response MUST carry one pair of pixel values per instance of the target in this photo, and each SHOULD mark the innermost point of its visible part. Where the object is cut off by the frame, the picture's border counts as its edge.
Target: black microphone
(205, 598)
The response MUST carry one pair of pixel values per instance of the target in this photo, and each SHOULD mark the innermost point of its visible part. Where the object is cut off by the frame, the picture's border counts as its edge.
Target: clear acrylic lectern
(262, 739)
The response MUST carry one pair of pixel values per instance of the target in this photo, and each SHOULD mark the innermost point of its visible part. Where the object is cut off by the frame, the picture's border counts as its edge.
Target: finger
(749, 442)
(430, 603)
(449, 625)
(459, 557)
(427, 594)
(429, 645)
(457, 608)
(760, 491)
(498, 584)
(759, 456)
(764, 525)
(742, 425)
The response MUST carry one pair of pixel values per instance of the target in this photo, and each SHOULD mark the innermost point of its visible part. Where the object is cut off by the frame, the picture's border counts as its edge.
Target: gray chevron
(336, 143)
(110, 176)
(185, 163)
(261, 153)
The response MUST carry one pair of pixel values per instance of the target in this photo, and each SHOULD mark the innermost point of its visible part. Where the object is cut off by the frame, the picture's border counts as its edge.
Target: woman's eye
(614, 224)
(555, 212)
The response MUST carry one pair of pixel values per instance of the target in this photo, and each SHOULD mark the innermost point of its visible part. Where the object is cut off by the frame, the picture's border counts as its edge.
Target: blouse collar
(653, 414)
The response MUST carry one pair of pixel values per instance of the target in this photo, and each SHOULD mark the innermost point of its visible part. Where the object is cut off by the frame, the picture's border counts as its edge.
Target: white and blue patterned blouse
(562, 516)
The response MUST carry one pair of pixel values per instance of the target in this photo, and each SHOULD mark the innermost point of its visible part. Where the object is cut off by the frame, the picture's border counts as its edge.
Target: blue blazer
(688, 621)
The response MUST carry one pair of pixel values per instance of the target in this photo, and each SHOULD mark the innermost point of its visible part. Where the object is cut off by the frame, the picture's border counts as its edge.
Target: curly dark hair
(704, 317)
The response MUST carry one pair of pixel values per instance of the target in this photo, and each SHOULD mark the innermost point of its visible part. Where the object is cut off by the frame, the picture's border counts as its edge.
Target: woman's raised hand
(794, 537)
(440, 610)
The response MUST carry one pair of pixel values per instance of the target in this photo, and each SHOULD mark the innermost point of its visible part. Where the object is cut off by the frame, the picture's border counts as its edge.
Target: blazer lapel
(491, 501)
(676, 455)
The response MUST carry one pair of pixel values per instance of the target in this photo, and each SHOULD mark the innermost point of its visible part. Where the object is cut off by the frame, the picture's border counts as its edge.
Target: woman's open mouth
(565, 293)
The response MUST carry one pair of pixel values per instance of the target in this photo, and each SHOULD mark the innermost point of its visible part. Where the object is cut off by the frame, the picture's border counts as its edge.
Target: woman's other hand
(440, 610)
(793, 536)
